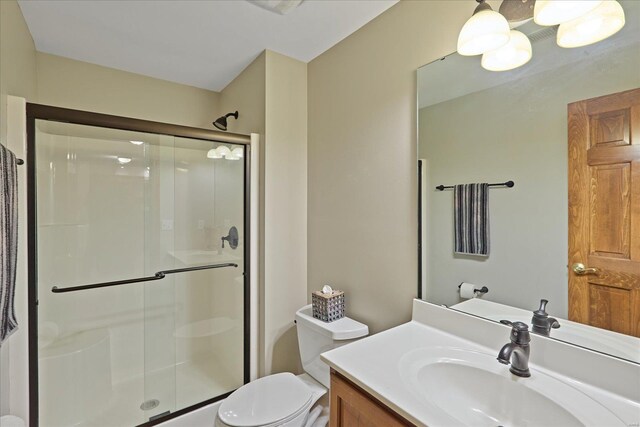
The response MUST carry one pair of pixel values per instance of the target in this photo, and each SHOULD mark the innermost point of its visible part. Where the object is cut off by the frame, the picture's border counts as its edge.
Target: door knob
(580, 269)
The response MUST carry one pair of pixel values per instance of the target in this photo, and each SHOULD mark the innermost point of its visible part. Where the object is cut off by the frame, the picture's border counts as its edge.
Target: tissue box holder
(328, 307)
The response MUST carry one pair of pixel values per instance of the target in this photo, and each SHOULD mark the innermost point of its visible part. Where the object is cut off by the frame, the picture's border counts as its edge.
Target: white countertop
(374, 364)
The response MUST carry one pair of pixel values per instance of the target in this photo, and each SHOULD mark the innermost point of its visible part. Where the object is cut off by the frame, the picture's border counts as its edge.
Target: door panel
(610, 128)
(610, 308)
(610, 216)
(604, 211)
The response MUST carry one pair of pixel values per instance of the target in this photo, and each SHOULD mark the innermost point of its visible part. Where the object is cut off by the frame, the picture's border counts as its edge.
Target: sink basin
(473, 388)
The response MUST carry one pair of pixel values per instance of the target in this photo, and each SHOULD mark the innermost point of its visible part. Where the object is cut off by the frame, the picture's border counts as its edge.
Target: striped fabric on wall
(8, 241)
(471, 219)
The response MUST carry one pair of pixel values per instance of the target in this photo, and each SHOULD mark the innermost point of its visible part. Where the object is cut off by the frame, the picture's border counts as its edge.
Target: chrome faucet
(541, 323)
(516, 352)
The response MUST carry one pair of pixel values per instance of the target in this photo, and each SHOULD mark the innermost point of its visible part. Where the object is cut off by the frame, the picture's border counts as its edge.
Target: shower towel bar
(498, 184)
(157, 276)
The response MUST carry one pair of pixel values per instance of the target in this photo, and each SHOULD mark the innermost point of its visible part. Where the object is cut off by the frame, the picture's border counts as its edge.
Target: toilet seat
(271, 400)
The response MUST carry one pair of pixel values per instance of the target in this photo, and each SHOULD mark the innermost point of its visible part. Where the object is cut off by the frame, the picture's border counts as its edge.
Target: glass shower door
(209, 304)
(112, 206)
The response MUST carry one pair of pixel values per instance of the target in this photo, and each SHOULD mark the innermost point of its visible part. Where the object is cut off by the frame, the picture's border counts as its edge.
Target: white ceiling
(199, 43)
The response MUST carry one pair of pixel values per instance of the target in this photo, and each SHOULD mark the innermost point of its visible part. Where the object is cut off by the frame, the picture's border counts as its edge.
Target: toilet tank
(315, 337)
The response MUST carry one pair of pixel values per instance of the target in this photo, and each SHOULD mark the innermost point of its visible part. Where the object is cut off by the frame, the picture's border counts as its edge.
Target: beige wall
(17, 60)
(285, 209)
(17, 78)
(271, 96)
(246, 94)
(362, 227)
(79, 85)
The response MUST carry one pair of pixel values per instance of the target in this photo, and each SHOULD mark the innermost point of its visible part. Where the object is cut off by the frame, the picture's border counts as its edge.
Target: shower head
(221, 122)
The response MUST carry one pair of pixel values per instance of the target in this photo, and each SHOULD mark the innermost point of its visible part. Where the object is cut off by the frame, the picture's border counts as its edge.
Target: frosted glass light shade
(513, 55)
(238, 152)
(484, 31)
(213, 154)
(554, 12)
(602, 22)
(223, 151)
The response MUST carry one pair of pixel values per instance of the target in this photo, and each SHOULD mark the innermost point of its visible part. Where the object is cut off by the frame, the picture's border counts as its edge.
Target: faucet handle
(520, 333)
(515, 325)
(542, 310)
(541, 323)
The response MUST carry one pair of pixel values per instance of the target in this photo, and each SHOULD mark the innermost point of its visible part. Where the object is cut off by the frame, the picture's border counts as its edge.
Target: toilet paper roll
(468, 290)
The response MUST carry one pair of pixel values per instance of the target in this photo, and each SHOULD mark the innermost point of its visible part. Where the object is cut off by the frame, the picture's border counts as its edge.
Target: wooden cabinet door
(352, 407)
(604, 211)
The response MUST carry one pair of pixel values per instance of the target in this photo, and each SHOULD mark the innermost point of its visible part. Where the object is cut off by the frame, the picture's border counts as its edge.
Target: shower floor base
(192, 382)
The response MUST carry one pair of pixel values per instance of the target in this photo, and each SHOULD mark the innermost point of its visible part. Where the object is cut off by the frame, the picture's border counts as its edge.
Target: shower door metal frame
(65, 115)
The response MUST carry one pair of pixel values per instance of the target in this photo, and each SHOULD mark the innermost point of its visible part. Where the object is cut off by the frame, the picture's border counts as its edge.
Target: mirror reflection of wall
(481, 126)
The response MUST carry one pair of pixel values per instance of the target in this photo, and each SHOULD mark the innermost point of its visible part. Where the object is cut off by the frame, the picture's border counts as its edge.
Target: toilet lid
(265, 401)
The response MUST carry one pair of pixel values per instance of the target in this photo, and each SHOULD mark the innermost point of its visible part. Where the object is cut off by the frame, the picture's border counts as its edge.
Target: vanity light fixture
(486, 30)
(602, 22)
(124, 160)
(513, 55)
(223, 150)
(214, 154)
(554, 12)
(581, 23)
(137, 142)
(238, 152)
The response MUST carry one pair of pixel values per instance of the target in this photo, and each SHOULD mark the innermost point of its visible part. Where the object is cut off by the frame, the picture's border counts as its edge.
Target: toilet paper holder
(483, 290)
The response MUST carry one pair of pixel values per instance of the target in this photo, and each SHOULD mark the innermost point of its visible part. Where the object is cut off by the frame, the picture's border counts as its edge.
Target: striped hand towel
(471, 219)
(8, 241)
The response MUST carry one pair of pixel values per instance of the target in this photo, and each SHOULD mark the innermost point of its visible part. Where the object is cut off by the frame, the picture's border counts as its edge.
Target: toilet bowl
(275, 400)
(284, 399)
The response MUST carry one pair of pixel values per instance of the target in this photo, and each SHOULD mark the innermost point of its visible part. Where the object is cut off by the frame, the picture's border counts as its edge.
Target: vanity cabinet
(353, 407)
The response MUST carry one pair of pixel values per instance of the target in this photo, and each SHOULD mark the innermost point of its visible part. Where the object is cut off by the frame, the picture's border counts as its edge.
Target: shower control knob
(232, 238)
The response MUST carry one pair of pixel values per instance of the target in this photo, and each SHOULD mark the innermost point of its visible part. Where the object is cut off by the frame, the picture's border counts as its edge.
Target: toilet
(284, 399)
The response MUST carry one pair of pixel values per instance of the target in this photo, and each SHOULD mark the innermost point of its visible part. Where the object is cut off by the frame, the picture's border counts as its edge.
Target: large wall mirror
(565, 128)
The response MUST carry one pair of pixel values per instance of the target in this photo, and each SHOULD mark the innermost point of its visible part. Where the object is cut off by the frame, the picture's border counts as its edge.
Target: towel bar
(498, 184)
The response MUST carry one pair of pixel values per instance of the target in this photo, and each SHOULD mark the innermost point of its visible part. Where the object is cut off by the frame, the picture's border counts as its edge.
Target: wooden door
(604, 212)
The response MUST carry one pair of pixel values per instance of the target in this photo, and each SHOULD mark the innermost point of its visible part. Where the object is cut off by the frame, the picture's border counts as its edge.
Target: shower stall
(138, 268)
